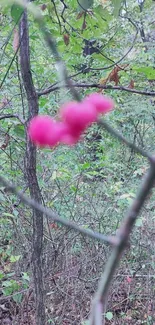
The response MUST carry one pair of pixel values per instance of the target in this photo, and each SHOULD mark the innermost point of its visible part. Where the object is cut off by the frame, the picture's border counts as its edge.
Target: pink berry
(55, 134)
(43, 131)
(103, 104)
(67, 134)
(70, 139)
(78, 116)
(129, 279)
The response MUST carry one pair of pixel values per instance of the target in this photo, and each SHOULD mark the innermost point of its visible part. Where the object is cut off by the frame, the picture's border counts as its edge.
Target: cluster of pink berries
(75, 117)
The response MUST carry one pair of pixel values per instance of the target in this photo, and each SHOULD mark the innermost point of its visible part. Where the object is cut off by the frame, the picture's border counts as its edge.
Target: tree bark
(30, 172)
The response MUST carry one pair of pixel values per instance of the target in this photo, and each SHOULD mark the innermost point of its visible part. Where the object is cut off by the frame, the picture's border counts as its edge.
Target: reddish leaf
(66, 39)
(131, 84)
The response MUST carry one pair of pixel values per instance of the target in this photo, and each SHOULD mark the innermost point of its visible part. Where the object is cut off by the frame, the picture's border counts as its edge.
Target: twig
(53, 215)
(124, 232)
(3, 117)
(10, 65)
(120, 137)
(121, 59)
(148, 276)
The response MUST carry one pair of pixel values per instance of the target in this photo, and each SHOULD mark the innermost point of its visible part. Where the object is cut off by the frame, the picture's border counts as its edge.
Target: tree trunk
(30, 172)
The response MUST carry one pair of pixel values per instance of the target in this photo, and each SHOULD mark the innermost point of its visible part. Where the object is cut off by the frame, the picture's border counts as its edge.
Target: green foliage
(109, 315)
(117, 6)
(149, 72)
(16, 12)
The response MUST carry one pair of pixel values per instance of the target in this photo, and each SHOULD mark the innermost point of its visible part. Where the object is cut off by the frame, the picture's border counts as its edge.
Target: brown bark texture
(30, 171)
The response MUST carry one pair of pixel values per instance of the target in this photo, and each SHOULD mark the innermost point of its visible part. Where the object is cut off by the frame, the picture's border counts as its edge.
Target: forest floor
(71, 278)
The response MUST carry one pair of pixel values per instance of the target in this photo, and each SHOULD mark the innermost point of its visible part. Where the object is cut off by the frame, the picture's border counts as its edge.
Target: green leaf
(54, 175)
(16, 12)
(139, 222)
(17, 298)
(149, 72)
(85, 166)
(73, 188)
(7, 284)
(109, 315)
(7, 291)
(15, 213)
(103, 13)
(14, 258)
(1, 276)
(85, 4)
(25, 276)
(50, 321)
(117, 5)
(2, 198)
(19, 130)
(6, 214)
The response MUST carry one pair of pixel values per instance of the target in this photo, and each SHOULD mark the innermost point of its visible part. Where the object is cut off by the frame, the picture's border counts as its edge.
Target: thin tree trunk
(30, 172)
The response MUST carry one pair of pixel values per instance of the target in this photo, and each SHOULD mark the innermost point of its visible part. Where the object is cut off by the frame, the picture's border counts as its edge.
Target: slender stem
(63, 76)
(123, 234)
(120, 137)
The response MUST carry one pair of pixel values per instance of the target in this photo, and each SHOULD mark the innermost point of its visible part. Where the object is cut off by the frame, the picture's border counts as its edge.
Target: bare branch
(96, 85)
(3, 117)
(100, 299)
